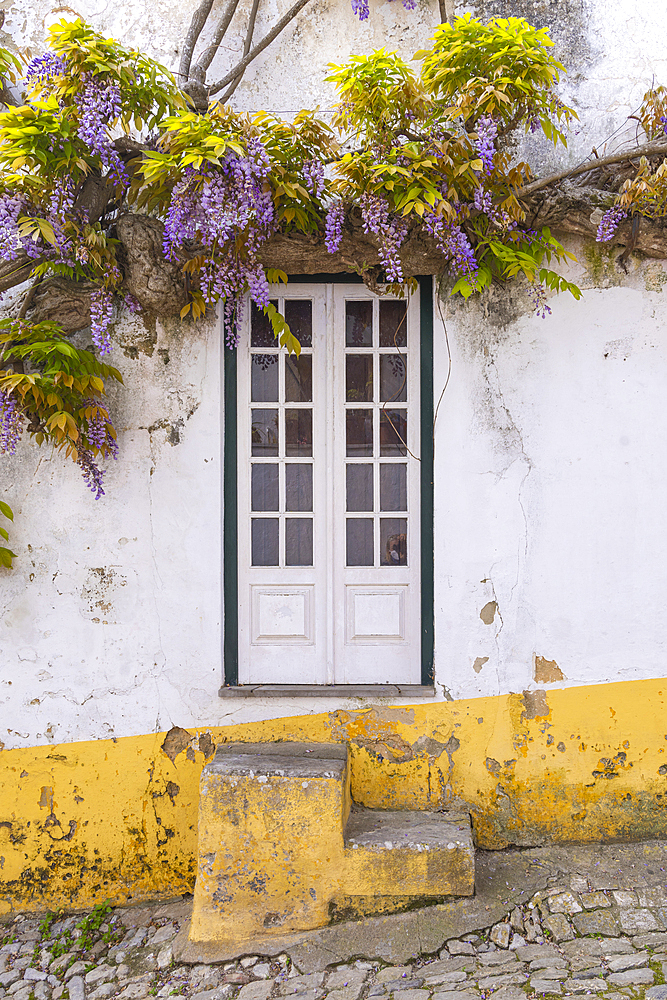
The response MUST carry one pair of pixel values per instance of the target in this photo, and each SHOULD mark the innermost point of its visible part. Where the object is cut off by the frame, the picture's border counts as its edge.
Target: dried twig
(197, 23)
(275, 31)
(246, 49)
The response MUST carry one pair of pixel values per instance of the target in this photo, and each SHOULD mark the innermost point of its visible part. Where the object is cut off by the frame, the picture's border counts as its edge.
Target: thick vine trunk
(160, 286)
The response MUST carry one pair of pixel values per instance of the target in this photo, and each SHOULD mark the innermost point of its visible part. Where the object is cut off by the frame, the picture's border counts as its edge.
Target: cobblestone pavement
(584, 934)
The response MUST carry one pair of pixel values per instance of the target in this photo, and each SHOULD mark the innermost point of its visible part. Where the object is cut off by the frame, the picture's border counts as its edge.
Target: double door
(328, 480)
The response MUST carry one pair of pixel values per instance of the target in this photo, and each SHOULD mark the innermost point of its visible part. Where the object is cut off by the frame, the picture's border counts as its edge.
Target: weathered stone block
(279, 841)
(558, 926)
(564, 902)
(597, 922)
(633, 977)
(595, 900)
(639, 920)
(624, 962)
(501, 934)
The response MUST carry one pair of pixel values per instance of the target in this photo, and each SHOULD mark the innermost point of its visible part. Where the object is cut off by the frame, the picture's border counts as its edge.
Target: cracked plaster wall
(549, 446)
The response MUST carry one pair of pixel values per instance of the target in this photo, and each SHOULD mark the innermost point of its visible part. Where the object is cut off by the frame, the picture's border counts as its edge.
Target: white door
(328, 476)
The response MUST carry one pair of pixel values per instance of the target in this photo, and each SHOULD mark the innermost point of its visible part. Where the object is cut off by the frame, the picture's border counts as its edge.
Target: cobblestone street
(597, 925)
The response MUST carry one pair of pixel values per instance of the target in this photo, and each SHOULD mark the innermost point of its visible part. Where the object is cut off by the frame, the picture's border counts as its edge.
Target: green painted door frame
(230, 500)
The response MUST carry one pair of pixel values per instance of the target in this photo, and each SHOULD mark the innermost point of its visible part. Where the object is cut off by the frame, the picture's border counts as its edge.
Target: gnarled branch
(273, 34)
(197, 23)
(246, 49)
(208, 54)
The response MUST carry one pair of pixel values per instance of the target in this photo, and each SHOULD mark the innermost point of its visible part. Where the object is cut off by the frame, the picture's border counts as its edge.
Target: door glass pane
(393, 541)
(298, 541)
(393, 432)
(359, 378)
(393, 381)
(359, 531)
(359, 323)
(359, 433)
(360, 487)
(299, 316)
(265, 541)
(261, 331)
(298, 433)
(265, 487)
(393, 323)
(264, 378)
(298, 487)
(393, 487)
(299, 378)
(265, 433)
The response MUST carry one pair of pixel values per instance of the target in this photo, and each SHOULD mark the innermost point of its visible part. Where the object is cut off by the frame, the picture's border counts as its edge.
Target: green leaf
(6, 510)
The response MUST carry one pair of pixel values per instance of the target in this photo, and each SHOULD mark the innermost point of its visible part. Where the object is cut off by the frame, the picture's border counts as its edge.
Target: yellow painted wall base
(117, 819)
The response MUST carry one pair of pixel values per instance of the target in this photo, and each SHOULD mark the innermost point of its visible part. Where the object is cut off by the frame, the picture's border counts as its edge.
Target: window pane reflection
(393, 487)
(360, 487)
(299, 316)
(359, 541)
(393, 323)
(299, 378)
(393, 541)
(359, 378)
(264, 378)
(359, 433)
(359, 323)
(393, 432)
(298, 433)
(393, 381)
(298, 487)
(261, 331)
(265, 541)
(265, 433)
(298, 541)
(265, 487)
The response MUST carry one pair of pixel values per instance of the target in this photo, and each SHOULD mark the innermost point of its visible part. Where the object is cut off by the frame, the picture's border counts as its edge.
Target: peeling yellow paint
(117, 819)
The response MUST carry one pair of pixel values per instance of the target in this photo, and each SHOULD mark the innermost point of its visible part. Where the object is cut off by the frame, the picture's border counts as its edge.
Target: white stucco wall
(550, 471)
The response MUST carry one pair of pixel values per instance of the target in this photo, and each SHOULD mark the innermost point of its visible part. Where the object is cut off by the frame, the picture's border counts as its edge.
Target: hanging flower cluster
(609, 223)
(99, 103)
(220, 208)
(11, 423)
(390, 230)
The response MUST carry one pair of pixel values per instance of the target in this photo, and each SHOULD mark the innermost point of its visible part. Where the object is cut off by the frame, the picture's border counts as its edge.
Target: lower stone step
(282, 847)
(401, 852)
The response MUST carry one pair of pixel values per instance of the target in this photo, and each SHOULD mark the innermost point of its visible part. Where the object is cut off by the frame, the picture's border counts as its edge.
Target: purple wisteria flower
(663, 120)
(99, 106)
(133, 305)
(390, 231)
(43, 68)
(538, 294)
(91, 472)
(454, 244)
(220, 208)
(609, 223)
(487, 132)
(11, 423)
(313, 174)
(101, 312)
(11, 207)
(360, 8)
(99, 427)
(333, 227)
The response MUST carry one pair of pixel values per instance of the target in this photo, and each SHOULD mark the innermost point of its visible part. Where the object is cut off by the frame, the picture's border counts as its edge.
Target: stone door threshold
(327, 691)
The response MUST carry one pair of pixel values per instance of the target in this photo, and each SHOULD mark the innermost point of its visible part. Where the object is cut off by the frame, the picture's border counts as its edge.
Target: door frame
(231, 687)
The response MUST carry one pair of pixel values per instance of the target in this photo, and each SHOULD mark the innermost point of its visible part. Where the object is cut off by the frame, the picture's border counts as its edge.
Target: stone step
(280, 841)
(412, 853)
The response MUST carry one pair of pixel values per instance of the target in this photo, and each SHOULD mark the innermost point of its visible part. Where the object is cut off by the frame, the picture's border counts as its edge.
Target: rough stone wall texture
(549, 445)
